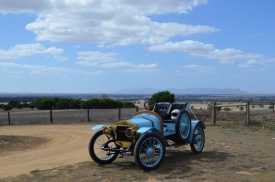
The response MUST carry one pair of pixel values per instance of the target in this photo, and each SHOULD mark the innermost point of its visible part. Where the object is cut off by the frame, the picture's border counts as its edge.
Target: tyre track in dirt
(67, 144)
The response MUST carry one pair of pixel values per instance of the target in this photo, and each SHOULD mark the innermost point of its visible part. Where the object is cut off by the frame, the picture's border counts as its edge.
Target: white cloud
(106, 22)
(117, 65)
(248, 63)
(198, 69)
(133, 68)
(206, 51)
(38, 69)
(18, 6)
(96, 56)
(110, 61)
(164, 6)
(24, 50)
(258, 62)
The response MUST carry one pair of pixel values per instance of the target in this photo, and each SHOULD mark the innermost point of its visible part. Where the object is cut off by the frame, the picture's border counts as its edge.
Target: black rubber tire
(179, 138)
(157, 148)
(201, 138)
(110, 157)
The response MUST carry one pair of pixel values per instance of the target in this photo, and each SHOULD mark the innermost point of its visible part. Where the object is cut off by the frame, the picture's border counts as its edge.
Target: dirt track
(236, 153)
(68, 144)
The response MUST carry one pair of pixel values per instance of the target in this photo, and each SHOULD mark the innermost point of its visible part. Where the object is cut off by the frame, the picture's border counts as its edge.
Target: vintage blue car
(147, 134)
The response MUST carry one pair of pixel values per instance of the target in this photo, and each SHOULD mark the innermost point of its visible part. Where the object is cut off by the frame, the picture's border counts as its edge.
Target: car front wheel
(149, 151)
(97, 148)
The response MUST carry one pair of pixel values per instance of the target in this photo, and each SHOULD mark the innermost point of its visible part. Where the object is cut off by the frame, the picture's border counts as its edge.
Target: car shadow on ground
(183, 160)
(173, 160)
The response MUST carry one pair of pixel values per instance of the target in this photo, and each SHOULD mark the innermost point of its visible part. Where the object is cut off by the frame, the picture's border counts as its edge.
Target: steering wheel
(149, 105)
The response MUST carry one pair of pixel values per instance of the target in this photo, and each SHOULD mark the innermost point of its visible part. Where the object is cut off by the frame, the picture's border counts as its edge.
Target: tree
(7, 107)
(25, 104)
(91, 104)
(14, 103)
(44, 103)
(32, 105)
(75, 104)
(106, 103)
(163, 96)
(19, 106)
(63, 103)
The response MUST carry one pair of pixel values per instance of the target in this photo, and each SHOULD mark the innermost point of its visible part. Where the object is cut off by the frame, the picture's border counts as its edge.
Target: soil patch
(19, 143)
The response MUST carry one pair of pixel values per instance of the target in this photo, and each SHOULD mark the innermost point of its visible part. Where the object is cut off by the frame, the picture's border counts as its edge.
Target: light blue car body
(147, 122)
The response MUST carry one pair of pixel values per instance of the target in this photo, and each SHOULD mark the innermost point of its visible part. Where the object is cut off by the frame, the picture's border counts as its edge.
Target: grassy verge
(252, 124)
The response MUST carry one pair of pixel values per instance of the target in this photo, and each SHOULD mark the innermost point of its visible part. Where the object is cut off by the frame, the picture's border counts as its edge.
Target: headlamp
(107, 130)
(129, 132)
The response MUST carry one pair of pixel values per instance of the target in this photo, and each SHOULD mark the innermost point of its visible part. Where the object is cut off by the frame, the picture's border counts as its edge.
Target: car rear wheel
(98, 154)
(198, 140)
(183, 126)
(149, 151)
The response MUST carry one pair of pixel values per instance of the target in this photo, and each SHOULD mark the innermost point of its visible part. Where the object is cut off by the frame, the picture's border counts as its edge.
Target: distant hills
(184, 91)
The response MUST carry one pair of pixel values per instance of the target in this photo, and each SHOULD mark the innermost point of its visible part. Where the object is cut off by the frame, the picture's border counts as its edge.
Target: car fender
(97, 127)
(144, 130)
(194, 124)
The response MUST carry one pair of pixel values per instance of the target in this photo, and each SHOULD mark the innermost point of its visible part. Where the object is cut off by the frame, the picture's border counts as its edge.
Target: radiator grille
(120, 134)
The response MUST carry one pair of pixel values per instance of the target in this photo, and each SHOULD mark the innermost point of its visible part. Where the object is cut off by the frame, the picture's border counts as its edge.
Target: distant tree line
(67, 103)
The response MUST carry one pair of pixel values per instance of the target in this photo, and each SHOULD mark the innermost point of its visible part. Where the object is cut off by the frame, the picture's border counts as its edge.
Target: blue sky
(102, 46)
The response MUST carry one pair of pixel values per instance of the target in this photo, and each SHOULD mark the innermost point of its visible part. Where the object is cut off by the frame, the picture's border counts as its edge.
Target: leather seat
(163, 109)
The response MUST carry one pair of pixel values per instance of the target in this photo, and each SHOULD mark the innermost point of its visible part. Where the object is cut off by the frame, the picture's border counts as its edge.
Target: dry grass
(231, 153)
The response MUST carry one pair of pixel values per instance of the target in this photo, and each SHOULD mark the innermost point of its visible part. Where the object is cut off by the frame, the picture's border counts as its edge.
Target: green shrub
(75, 104)
(13, 103)
(128, 105)
(226, 109)
(270, 107)
(106, 103)
(7, 107)
(32, 105)
(44, 103)
(91, 104)
(19, 106)
(254, 123)
(63, 103)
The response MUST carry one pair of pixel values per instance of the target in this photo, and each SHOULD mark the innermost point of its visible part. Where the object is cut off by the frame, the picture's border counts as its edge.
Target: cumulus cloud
(206, 51)
(106, 22)
(24, 50)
